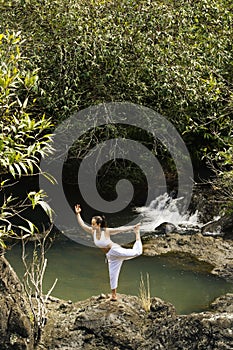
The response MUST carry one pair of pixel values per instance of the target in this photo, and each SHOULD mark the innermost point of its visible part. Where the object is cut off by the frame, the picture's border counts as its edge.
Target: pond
(82, 273)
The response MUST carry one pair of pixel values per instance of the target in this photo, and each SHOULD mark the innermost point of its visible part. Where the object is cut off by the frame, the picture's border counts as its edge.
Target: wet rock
(188, 229)
(16, 328)
(216, 252)
(160, 230)
(98, 323)
(164, 228)
(220, 227)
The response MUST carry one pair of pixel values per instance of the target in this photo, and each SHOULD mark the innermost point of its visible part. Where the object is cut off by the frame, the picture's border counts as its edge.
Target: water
(82, 272)
(165, 209)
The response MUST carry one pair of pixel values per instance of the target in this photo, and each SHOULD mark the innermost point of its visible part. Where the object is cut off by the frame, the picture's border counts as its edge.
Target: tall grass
(144, 293)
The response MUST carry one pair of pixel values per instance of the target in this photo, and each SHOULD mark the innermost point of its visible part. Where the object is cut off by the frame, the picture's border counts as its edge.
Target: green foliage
(24, 140)
(22, 144)
(224, 173)
(172, 56)
(24, 137)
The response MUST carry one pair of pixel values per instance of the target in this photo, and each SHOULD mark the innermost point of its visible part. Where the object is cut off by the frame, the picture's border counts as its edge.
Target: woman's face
(94, 224)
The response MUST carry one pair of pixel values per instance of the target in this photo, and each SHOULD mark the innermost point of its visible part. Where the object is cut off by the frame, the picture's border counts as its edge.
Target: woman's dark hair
(100, 219)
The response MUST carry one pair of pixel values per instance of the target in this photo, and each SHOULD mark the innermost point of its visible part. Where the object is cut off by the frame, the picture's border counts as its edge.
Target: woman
(114, 252)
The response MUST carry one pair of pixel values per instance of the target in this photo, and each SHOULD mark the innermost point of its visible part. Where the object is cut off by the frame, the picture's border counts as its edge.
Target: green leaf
(47, 209)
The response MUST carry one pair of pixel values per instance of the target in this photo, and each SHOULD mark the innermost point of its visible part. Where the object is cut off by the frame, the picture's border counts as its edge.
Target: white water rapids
(166, 209)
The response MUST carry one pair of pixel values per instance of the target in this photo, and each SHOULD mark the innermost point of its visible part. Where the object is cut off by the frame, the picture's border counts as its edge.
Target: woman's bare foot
(113, 298)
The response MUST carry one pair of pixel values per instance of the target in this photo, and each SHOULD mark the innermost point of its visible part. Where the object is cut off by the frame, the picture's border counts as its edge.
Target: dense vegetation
(172, 56)
(23, 140)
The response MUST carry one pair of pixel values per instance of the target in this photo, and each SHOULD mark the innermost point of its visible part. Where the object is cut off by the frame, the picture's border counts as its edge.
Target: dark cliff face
(98, 323)
(16, 328)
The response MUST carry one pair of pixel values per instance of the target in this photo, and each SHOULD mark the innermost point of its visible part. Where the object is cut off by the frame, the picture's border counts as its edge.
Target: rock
(98, 323)
(214, 254)
(220, 227)
(16, 328)
(223, 304)
(162, 229)
(210, 203)
(165, 227)
(196, 331)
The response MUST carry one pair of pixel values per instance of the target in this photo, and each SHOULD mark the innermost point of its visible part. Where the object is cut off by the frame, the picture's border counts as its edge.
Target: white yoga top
(103, 242)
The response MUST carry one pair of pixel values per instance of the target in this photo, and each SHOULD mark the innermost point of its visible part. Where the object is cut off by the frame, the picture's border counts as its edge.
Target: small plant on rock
(144, 293)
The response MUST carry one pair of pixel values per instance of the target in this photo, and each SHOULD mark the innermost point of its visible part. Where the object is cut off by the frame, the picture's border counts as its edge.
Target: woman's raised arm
(80, 220)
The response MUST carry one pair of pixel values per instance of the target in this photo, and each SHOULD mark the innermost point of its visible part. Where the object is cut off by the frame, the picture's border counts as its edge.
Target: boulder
(165, 227)
(16, 327)
(220, 227)
(162, 229)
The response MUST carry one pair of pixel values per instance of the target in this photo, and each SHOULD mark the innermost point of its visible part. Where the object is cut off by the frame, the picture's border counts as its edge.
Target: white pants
(116, 256)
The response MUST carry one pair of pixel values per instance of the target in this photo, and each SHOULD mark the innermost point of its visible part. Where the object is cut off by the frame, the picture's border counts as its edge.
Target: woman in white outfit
(114, 252)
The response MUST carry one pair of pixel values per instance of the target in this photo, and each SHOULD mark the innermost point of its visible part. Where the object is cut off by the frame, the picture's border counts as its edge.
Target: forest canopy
(172, 56)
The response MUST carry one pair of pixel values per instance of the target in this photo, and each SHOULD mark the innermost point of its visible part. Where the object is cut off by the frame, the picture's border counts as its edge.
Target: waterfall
(164, 208)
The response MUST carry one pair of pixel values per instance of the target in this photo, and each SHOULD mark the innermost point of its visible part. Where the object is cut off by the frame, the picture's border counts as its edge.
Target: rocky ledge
(213, 253)
(98, 323)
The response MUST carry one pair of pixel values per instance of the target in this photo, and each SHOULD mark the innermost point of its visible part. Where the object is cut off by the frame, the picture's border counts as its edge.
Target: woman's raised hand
(77, 209)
